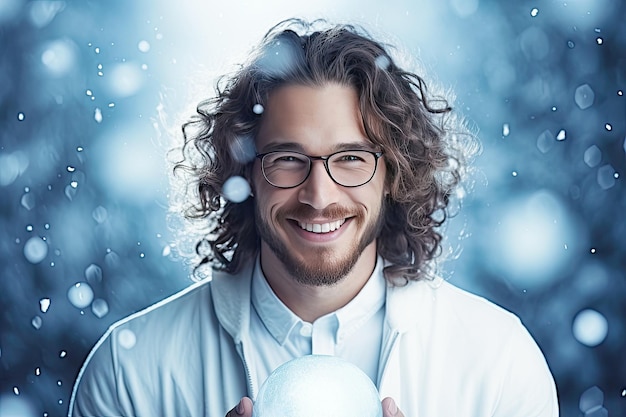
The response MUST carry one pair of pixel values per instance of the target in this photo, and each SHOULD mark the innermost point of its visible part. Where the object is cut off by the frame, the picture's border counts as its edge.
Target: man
(350, 165)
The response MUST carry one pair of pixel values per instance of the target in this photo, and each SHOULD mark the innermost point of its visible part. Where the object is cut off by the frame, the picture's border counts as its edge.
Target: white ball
(590, 327)
(35, 250)
(318, 385)
(80, 295)
(236, 189)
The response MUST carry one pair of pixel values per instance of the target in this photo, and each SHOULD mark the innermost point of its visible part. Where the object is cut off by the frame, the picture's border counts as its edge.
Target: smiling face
(317, 232)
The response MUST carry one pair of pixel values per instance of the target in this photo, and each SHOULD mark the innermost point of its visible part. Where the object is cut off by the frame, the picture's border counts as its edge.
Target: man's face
(345, 221)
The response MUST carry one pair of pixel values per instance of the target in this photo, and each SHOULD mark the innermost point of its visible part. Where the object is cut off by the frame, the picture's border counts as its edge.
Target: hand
(390, 409)
(243, 409)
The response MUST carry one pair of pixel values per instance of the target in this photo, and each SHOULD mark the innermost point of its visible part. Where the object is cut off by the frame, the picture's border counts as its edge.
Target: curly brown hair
(423, 155)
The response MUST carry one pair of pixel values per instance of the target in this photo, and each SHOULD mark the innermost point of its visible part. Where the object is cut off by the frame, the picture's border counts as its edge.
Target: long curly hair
(424, 155)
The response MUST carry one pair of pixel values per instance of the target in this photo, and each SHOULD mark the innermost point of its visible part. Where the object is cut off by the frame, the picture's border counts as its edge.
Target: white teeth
(322, 227)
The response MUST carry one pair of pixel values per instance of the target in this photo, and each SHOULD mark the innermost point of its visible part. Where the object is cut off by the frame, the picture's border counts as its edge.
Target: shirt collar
(364, 305)
(280, 321)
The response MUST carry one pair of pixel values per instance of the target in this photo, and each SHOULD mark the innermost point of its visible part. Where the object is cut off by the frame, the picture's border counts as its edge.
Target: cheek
(379, 188)
(268, 198)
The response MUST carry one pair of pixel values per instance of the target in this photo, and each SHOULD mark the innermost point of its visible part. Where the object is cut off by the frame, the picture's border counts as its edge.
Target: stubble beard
(320, 267)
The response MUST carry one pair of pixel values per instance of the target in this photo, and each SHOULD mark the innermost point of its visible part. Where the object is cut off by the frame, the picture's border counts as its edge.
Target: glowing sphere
(236, 189)
(35, 250)
(590, 327)
(80, 295)
(318, 385)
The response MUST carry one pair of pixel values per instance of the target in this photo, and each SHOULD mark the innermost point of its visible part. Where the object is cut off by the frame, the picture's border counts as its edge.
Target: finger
(243, 409)
(390, 409)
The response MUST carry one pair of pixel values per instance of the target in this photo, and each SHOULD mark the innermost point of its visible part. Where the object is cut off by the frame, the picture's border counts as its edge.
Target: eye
(285, 159)
(288, 158)
(351, 157)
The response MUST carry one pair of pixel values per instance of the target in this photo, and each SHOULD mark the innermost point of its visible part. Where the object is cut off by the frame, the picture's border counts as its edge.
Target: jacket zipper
(251, 386)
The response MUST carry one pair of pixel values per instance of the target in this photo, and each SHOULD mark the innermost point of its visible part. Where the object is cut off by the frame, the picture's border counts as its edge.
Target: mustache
(304, 212)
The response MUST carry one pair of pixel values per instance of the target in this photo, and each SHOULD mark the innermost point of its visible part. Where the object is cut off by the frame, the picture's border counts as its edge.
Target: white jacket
(445, 353)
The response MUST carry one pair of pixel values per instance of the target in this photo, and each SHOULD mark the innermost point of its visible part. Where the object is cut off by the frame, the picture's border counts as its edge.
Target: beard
(321, 266)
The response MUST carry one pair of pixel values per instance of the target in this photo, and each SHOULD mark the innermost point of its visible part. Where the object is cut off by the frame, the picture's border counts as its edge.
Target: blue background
(92, 92)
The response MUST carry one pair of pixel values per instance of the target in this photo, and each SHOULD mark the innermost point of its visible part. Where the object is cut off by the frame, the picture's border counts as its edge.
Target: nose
(319, 190)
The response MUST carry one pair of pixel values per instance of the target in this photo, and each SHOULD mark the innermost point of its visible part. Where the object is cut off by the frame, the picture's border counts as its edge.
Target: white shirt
(354, 332)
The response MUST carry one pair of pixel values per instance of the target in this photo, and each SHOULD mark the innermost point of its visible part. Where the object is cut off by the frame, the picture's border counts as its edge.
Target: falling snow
(80, 124)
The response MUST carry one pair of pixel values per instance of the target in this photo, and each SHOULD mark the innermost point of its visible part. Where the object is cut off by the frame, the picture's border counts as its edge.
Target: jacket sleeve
(97, 391)
(528, 388)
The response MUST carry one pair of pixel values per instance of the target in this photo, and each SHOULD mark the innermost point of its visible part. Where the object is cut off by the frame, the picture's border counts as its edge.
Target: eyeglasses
(288, 169)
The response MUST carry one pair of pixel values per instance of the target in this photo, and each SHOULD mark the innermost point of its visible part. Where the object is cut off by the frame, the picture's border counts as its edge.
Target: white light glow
(590, 327)
(129, 164)
(535, 240)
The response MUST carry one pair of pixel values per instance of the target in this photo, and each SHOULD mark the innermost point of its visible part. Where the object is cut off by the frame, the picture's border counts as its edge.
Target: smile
(322, 227)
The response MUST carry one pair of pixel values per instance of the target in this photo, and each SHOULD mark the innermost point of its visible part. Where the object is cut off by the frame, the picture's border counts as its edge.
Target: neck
(310, 302)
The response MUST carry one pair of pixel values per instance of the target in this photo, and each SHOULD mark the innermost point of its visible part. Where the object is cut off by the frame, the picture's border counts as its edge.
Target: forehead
(313, 119)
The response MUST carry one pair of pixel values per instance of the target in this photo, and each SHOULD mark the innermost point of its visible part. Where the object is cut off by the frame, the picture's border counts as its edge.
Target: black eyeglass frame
(324, 159)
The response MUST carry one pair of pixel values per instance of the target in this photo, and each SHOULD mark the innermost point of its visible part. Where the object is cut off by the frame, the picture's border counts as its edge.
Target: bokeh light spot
(93, 274)
(35, 250)
(14, 406)
(44, 304)
(143, 46)
(28, 201)
(112, 259)
(59, 57)
(12, 165)
(129, 165)
(382, 62)
(529, 241)
(592, 156)
(100, 214)
(97, 115)
(36, 322)
(590, 327)
(584, 96)
(236, 189)
(279, 58)
(606, 176)
(100, 308)
(127, 339)
(534, 43)
(80, 295)
(545, 141)
(70, 192)
(43, 12)
(591, 399)
(125, 79)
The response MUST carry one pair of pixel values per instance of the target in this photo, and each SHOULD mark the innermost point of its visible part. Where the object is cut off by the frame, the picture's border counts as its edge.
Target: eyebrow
(294, 146)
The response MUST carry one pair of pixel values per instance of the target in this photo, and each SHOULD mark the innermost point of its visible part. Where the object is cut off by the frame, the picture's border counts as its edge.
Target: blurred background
(88, 90)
